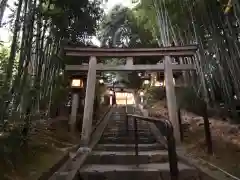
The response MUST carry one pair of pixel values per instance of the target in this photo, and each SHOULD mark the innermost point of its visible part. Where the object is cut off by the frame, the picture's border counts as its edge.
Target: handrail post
(126, 120)
(172, 154)
(180, 124)
(126, 125)
(136, 138)
(208, 137)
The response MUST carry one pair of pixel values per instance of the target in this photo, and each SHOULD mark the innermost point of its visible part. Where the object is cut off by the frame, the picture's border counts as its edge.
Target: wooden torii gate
(168, 67)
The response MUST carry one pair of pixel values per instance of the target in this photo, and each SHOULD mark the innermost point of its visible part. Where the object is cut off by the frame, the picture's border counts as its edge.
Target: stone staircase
(114, 156)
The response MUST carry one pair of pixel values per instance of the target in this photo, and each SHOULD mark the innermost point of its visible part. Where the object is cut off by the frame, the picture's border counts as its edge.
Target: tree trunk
(3, 5)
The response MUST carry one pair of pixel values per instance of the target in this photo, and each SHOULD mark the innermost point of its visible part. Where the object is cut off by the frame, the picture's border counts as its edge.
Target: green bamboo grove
(213, 25)
(32, 80)
(33, 73)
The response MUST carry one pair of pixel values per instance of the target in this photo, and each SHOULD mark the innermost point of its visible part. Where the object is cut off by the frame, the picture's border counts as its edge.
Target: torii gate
(93, 67)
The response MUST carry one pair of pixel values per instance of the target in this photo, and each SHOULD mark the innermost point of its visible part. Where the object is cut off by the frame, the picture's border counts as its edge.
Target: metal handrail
(172, 153)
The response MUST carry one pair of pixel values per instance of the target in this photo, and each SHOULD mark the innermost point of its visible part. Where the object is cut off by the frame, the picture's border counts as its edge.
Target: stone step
(122, 136)
(126, 140)
(129, 137)
(123, 129)
(129, 129)
(130, 126)
(158, 171)
(126, 134)
(114, 157)
(129, 147)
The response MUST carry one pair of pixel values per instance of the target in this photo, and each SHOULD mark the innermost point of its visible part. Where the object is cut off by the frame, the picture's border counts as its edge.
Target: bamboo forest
(89, 87)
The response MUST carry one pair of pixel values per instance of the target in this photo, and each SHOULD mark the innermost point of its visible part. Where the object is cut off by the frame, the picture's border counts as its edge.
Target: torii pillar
(89, 101)
(171, 99)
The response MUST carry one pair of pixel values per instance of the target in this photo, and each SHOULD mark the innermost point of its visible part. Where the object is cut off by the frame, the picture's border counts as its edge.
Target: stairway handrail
(172, 152)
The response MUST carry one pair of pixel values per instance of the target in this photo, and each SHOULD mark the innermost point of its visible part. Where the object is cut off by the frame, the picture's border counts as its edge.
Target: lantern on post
(101, 81)
(141, 96)
(160, 80)
(146, 79)
(146, 82)
(101, 78)
(76, 85)
(111, 93)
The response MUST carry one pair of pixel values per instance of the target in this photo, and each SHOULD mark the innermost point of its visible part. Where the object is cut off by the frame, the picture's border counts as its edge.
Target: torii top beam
(189, 50)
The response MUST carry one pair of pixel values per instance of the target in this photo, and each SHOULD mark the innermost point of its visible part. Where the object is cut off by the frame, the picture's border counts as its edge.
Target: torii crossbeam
(130, 52)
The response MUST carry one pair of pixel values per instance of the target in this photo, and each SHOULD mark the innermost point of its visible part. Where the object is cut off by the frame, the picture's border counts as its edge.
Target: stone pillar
(73, 116)
(89, 101)
(102, 100)
(111, 100)
(153, 78)
(184, 73)
(129, 61)
(114, 100)
(171, 98)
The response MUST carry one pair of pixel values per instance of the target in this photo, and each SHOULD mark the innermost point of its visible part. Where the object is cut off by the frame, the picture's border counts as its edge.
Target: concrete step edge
(130, 153)
(102, 168)
(129, 145)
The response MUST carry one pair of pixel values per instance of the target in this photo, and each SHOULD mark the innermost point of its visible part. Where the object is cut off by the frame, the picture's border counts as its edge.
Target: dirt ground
(225, 137)
(49, 142)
